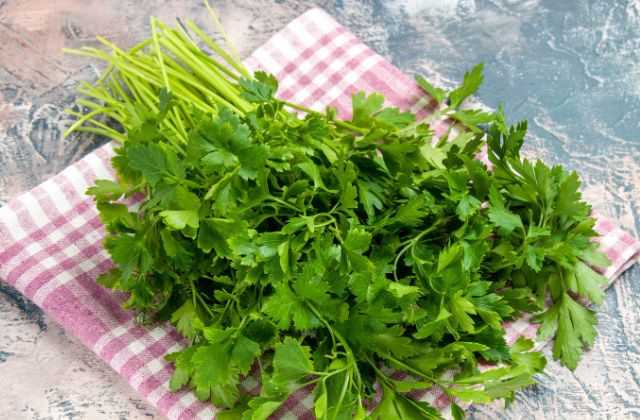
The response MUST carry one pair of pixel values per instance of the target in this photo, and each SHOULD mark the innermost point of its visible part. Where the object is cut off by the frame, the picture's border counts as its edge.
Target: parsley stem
(113, 134)
(204, 304)
(337, 232)
(326, 375)
(84, 118)
(310, 382)
(233, 58)
(339, 123)
(410, 243)
(426, 120)
(196, 296)
(397, 260)
(343, 392)
(380, 374)
(193, 294)
(220, 86)
(326, 324)
(224, 311)
(298, 107)
(220, 51)
(284, 203)
(340, 338)
(154, 35)
(344, 124)
(411, 369)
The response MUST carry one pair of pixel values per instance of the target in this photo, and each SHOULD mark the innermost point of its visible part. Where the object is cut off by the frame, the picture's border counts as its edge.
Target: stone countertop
(571, 67)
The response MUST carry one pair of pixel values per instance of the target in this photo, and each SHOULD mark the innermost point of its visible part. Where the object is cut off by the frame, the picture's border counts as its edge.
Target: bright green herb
(329, 251)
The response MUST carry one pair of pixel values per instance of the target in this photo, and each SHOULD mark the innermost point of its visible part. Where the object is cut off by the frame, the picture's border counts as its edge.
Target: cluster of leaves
(329, 253)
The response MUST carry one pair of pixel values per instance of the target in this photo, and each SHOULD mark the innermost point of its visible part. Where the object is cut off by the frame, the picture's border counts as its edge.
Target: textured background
(571, 67)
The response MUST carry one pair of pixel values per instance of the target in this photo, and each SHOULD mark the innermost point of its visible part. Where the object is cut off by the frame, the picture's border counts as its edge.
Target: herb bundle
(332, 254)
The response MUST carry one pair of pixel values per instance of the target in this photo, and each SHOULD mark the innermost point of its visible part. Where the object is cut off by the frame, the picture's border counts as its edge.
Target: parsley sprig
(328, 254)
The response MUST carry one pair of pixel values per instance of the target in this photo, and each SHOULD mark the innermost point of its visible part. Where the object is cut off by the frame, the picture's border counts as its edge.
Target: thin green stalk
(219, 62)
(186, 115)
(113, 134)
(339, 123)
(173, 118)
(106, 73)
(156, 44)
(141, 91)
(108, 111)
(426, 120)
(136, 88)
(203, 302)
(341, 339)
(179, 124)
(207, 73)
(407, 368)
(218, 50)
(133, 65)
(82, 52)
(90, 104)
(182, 42)
(114, 84)
(234, 56)
(284, 203)
(99, 93)
(140, 46)
(202, 90)
(83, 119)
(343, 393)
(95, 122)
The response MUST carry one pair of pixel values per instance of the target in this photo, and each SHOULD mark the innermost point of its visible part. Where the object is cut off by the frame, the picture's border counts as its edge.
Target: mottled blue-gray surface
(571, 67)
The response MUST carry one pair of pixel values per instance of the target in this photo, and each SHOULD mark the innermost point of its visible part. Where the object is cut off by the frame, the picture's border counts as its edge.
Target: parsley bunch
(345, 257)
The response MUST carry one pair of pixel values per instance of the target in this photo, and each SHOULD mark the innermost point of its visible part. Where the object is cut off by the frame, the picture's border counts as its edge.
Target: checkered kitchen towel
(51, 237)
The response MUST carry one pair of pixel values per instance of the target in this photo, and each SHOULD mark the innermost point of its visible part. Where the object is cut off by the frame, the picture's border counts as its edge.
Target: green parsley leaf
(331, 253)
(292, 361)
(470, 84)
(259, 89)
(106, 190)
(179, 219)
(436, 93)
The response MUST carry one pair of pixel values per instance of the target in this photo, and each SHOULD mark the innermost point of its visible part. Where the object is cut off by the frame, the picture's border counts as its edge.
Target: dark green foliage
(329, 249)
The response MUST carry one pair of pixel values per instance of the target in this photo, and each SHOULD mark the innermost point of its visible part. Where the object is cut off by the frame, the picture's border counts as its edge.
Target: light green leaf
(429, 328)
(150, 160)
(357, 240)
(179, 219)
(470, 394)
(244, 353)
(470, 84)
(435, 92)
(594, 257)
(448, 256)
(400, 290)
(467, 207)
(106, 190)
(589, 283)
(504, 219)
(292, 361)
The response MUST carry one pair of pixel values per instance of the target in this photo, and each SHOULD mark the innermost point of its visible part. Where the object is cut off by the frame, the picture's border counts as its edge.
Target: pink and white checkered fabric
(51, 237)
